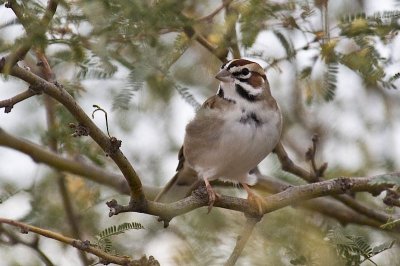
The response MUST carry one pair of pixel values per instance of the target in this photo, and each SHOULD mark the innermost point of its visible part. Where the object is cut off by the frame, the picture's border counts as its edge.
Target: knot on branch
(310, 157)
(2, 63)
(58, 85)
(79, 130)
(116, 208)
(144, 261)
(392, 198)
(82, 245)
(114, 146)
(345, 184)
(201, 193)
(24, 230)
(8, 108)
(37, 89)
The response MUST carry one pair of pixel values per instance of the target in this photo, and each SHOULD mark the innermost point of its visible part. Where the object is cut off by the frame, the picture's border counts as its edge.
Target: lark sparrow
(231, 134)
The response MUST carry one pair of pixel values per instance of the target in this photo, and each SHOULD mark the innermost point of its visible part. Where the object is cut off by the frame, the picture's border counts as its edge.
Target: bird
(231, 133)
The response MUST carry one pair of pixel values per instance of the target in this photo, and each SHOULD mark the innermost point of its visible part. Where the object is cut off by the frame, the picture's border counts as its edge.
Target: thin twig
(8, 104)
(361, 208)
(40, 29)
(242, 240)
(76, 243)
(33, 244)
(210, 16)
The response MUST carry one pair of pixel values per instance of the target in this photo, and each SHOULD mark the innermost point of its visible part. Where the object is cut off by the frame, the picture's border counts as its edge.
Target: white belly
(241, 147)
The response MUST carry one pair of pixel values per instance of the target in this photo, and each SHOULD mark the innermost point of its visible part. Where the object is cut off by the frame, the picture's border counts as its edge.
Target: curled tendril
(98, 108)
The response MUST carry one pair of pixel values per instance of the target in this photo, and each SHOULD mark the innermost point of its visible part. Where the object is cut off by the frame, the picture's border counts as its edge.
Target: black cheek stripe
(245, 94)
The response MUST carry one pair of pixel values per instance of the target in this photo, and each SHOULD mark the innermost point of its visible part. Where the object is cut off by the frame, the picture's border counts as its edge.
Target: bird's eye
(245, 71)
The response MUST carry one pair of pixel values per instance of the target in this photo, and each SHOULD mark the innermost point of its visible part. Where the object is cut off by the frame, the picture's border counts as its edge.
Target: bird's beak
(223, 75)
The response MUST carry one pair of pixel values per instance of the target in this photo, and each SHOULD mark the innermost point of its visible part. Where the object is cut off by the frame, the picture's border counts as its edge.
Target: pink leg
(255, 200)
(212, 196)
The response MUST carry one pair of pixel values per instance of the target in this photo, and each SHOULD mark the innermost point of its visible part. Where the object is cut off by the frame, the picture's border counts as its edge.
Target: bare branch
(78, 244)
(8, 104)
(242, 240)
(292, 195)
(13, 239)
(32, 30)
(361, 208)
(93, 173)
(289, 166)
(57, 92)
(326, 206)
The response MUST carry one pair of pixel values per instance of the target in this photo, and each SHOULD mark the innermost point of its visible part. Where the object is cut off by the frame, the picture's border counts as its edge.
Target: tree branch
(93, 173)
(32, 30)
(52, 124)
(8, 104)
(57, 92)
(326, 206)
(292, 195)
(242, 240)
(76, 243)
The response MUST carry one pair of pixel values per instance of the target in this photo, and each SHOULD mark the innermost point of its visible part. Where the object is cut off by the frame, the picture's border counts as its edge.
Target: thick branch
(326, 206)
(289, 166)
(292, 195)
(57, 92)
(78, 244)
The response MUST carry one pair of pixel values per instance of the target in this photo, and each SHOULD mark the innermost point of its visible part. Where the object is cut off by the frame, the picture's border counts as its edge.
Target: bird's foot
(255, 200)
(212, 195)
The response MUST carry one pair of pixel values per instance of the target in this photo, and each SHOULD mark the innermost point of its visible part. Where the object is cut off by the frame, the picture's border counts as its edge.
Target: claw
(254, 199)
(212, 195)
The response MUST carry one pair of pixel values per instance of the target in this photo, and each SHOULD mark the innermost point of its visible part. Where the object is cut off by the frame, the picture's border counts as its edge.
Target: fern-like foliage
(103, 240)
(330, 81)
(354, 250)
(286, 43)
(188, 97)
(95, 68)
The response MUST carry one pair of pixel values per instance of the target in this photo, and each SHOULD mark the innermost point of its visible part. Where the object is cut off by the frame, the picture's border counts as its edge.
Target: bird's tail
(180, 186)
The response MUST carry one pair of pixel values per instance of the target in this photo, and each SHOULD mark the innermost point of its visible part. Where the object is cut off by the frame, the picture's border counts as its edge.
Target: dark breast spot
(251, 118)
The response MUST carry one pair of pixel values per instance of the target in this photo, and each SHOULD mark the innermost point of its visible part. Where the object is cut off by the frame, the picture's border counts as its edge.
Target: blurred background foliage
(333, 67)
